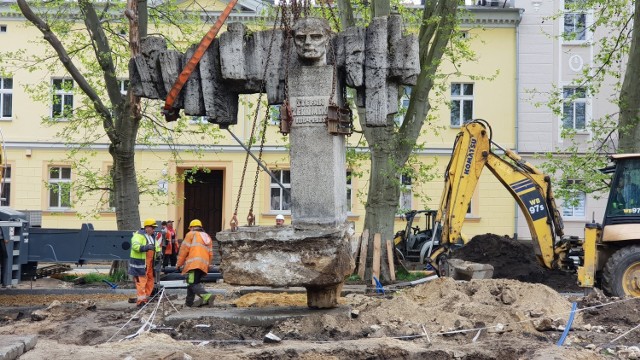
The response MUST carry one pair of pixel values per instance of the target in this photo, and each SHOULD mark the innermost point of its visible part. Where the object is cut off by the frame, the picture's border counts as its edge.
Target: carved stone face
(311, 36)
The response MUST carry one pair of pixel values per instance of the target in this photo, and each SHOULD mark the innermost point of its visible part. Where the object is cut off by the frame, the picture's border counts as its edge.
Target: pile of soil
(516, 260)
(436, 307)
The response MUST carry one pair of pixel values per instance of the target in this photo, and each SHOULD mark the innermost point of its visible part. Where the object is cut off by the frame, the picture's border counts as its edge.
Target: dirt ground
(512, 317)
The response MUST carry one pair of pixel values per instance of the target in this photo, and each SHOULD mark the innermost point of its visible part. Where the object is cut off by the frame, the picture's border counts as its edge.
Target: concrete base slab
(250, 316)
(467, 270)
(12, 346)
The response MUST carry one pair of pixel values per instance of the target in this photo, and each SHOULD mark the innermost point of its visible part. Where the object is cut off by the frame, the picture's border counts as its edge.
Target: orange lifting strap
(170, 113)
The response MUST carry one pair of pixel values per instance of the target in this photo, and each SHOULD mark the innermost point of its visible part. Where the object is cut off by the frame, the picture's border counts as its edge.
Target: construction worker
(170, 246)
(279, 220)
(143, 251)
(196, 253)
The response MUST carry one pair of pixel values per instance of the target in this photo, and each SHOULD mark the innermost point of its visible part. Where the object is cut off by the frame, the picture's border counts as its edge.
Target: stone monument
(314, 251)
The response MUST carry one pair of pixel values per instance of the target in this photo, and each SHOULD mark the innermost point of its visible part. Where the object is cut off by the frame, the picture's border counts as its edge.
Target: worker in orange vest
(196, 253)
(143, 251)
(170, 245)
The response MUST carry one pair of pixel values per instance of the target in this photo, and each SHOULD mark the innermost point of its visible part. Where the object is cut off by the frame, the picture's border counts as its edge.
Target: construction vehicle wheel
(621, 275)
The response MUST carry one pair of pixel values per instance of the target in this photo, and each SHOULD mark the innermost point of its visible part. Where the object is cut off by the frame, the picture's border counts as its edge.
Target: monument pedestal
(316, 258)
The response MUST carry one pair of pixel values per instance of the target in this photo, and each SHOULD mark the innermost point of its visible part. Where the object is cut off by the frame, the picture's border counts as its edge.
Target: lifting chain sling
(251, 217)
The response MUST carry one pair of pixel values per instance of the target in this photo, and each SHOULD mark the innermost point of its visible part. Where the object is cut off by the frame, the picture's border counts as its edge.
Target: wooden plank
(363, 253)
(392, 269)
(376, 258)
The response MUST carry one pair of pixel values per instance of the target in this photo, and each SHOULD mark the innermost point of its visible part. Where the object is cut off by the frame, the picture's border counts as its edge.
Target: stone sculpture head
(311, 36)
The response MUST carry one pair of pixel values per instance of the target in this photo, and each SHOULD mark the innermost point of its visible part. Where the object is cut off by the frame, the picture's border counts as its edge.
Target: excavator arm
(529, 187)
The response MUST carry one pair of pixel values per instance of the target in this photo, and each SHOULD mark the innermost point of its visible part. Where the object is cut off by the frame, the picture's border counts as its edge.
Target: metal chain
(255, 180)
(255, 118)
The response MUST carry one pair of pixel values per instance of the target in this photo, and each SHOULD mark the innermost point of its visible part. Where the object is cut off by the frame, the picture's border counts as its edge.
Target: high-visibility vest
(196, 252)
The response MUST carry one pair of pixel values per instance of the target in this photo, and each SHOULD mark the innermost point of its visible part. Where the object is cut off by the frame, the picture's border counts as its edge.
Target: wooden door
(203, 201)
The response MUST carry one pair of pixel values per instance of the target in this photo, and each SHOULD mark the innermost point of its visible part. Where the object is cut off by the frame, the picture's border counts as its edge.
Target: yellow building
(38, 172)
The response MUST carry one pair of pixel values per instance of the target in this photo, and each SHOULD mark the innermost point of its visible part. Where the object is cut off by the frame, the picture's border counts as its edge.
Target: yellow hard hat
(195, 222)
(149, 222)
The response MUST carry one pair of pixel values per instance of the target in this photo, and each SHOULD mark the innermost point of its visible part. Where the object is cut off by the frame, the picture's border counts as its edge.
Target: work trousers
(144, 284)
(170, 258)
(194, 286)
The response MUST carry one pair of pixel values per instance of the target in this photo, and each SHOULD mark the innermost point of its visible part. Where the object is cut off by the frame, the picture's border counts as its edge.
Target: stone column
(318, 170)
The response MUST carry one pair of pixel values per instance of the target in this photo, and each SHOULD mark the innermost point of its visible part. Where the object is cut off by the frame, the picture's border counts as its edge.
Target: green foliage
(405, 276)
(93, 278)
(353, 277)
(82, 127)
(574, 163)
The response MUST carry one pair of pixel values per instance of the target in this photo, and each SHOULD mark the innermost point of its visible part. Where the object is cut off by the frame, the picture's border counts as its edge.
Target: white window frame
(198, 120)
(6, 93)
(63, 94)
(6, 184)
(569, 211)
(279, 173)
(462, 99)
(405, 202)
(403, 106)
(123, 84)
(57, 184)
(578, 211)
(575, 102)
(575, 15)
(274, 114)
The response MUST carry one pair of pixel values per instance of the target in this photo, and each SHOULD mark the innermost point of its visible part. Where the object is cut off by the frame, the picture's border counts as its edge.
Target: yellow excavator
(609, 254)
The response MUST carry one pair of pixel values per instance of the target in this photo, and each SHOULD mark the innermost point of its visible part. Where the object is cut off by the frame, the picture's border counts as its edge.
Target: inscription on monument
(309, 109)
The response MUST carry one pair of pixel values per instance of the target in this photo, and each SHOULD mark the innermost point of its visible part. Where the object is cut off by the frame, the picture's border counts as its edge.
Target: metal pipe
(286, 190)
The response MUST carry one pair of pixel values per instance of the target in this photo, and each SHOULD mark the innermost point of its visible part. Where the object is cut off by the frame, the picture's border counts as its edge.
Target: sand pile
(439, 306)
(261, 299)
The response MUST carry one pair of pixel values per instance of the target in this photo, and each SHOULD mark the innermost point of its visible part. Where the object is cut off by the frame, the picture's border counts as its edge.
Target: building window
(575, 23)
(574, 108)
(62, 98)
(5, 194)
(349, 188)
(403, 106)
(3, 28)
(461, 104)
(60, 187)
(195, 120)
(575, 208)
(274, 114)
(406, 194)
(6, 98)
(124, 86)
(281, 200)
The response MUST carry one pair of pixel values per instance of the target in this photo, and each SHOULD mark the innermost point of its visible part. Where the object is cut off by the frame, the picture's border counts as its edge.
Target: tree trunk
(629, 128)
(384, 192)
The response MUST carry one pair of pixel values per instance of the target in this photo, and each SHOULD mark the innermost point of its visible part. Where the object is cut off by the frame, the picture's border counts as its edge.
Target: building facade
(40, 180)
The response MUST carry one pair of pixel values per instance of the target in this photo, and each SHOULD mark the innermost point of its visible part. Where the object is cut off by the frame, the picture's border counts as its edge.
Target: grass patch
(353, 277)
(92, 278)
(405, 276)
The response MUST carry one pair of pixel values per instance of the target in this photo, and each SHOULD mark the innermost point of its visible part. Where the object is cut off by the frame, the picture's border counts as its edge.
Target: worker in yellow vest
(143, 251)
(194, 257)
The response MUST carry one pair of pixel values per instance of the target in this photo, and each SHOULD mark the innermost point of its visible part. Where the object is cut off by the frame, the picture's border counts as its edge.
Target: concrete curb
(12, 346)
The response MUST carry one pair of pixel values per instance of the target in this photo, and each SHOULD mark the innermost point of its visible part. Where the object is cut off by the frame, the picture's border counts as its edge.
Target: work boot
(207, 299)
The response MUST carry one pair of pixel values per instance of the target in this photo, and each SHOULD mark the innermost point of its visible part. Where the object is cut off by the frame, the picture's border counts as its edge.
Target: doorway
(203, 200)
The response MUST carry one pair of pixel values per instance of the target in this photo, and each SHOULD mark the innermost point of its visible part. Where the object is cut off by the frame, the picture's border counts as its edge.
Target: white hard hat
(280, 217)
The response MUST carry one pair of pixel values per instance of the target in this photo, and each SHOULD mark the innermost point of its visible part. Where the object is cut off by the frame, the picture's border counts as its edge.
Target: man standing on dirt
(143, 251)
(196, 253)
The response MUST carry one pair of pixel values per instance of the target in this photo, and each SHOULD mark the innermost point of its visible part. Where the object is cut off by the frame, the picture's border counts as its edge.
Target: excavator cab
(410, 241)
(624, 198)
